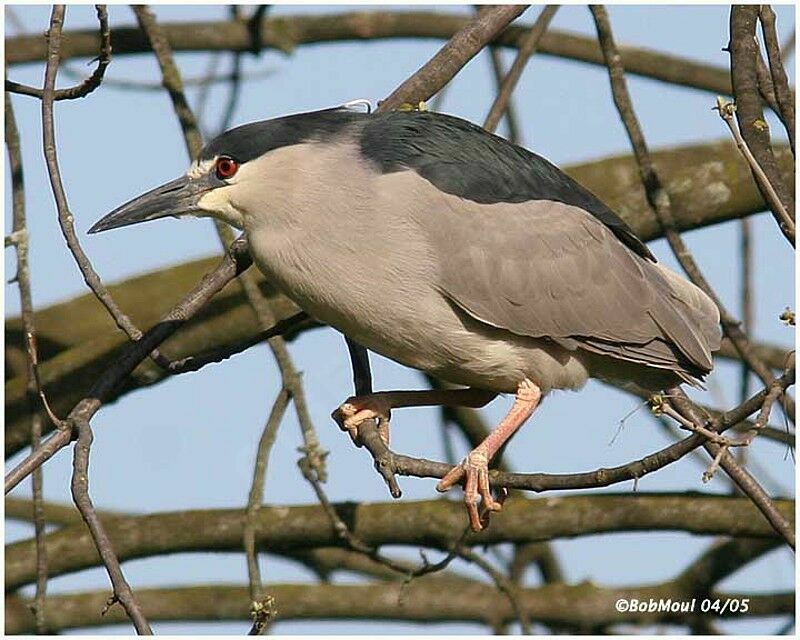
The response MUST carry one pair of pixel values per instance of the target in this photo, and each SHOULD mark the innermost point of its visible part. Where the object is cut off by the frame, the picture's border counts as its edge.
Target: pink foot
(474, 470)
(352, 413)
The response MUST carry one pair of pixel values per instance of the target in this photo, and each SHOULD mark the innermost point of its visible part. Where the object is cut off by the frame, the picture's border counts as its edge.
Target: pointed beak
(175, 198)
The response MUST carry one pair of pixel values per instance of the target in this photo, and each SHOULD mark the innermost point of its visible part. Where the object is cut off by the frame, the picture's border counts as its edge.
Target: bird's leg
(379, 406)
(474, 470)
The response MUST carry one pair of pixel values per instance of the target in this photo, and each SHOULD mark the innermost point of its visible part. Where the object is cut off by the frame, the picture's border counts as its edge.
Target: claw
(474, 471)
(349, 416)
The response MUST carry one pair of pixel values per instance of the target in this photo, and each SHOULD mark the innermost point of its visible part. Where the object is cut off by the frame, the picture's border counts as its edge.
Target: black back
(454, 155)
(463, 159)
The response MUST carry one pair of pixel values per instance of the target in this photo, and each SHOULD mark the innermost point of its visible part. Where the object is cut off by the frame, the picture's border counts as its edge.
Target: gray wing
(546, 269)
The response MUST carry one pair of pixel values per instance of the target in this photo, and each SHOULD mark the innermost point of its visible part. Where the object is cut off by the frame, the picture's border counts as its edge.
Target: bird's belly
(420, 329)
(388, 302)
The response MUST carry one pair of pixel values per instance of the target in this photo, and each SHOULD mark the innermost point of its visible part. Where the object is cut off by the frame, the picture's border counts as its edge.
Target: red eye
(226, 167)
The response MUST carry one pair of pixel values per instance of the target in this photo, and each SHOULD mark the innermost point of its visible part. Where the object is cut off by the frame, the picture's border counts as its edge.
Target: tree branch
(431, 600)
(433, 523)
(526, 50)
(780, 82)
(89, 84)
(450, 59)
(749, 113)
(104, 386)
(287, 33)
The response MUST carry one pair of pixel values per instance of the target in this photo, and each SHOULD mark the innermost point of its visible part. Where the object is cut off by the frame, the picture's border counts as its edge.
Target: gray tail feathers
(690, 320)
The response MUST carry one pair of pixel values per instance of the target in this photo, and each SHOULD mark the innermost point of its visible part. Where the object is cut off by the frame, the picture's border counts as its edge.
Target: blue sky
(190, 442)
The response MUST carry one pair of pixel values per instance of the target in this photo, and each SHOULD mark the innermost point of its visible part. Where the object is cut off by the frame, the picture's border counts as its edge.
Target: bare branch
(726, 111)
(80, 494)
(89, 84)
(659, 198)
(741, 477)
(433, 523)
(434, 600)
(783, 92)
(234, 262)
(65, 217)
(80, 475)
(744, 52)
(721, 559)
(33, 389)
(288, 32)
(256, 496)
(171, 77)
(510, 113)
(459, 50)
(526, 49)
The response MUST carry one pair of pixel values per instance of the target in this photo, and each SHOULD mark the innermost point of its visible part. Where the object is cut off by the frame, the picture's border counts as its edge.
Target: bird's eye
(226, 167)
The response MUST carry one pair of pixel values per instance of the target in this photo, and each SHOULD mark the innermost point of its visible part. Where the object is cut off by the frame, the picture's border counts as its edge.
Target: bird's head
(230, 171)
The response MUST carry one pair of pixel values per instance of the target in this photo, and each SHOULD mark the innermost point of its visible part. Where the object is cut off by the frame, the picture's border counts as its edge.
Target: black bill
(175, 198)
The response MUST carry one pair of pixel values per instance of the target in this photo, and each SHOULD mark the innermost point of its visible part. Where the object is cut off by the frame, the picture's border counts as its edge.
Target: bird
(446, 248)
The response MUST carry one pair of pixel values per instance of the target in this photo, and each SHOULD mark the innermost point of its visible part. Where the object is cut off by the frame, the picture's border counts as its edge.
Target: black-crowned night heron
(450, 250)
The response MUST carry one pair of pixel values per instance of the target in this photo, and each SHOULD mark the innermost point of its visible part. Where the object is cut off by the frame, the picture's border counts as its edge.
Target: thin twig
(510, 112)
(340, 526)
(503, 584)
(659, 199)
(744, 53)
(763, 415)
(449, 60)
(32, 386)
(741, 477)
(726, 111)
(288, 33)
(171, 77)
(280, 328)
(783, 92)
(80, 476)
(235, 261)
(89, 84)
(256, 496)
(746, 298)
(236, 79)
(65, 218)
(748, 315)
(80, 495)
(290, 377)
(314, 458)
(214, 61)
(143, 86)
(526, 49)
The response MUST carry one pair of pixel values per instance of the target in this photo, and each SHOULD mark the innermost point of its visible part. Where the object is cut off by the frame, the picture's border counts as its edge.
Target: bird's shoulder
(462, 159)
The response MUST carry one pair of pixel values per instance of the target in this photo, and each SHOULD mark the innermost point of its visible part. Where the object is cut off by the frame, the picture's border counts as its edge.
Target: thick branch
(286, 33)
(434, 523)
(749, 113)
(429, 599)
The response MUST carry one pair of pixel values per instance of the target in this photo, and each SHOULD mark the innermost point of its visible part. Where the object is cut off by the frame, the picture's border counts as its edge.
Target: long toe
(452, 478)
(474, 473)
